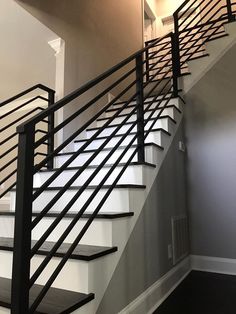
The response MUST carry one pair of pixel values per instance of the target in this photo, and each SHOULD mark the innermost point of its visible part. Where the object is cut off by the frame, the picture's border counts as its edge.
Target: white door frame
(58, 45)
(151, 14)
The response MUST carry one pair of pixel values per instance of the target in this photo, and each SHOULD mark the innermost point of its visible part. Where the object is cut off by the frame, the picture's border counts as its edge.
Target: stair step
(82, 252)
(134, 174)
(156, 136)
(84, 156)
(56, 301)
(133, 104)
(101, 232)
(118, 103)
(120, 199)
(162, 122)
(127, 110)
(171, 112)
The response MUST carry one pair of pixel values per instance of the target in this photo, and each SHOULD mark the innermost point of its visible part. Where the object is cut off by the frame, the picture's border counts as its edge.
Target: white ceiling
(25, 56)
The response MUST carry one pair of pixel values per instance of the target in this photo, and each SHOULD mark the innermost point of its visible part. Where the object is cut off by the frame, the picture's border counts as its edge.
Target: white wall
(165, 8)
(25, 56)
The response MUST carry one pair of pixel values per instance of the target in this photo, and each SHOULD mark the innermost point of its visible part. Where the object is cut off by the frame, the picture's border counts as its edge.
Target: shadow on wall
(211, 136)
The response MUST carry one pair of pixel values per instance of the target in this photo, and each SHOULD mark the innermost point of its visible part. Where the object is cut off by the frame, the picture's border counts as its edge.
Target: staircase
(74, 206)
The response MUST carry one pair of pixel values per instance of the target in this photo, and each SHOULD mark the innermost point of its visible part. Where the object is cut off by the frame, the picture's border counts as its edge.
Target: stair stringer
(216, 49)
(102, 270)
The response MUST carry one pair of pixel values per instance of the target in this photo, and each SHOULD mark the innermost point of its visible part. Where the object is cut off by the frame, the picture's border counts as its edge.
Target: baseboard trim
(214, 264)
(155, 295)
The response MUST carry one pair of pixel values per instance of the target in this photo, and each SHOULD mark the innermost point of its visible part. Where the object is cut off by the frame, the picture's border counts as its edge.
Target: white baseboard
(214, 264)
(150, 299)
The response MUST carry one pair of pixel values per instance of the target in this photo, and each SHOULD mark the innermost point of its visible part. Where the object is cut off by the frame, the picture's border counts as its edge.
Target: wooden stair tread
(101, 215)
(82, 252)
(56, 301)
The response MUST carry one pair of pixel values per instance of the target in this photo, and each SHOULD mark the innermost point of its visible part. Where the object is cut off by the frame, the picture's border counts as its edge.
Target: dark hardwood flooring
(202, 293)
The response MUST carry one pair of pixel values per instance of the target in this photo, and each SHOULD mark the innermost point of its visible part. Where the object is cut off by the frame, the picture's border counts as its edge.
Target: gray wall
(145, 258)
(211, 138)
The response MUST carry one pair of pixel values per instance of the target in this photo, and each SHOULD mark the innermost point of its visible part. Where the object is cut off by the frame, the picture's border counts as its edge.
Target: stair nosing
(78, 257)
(91, 187)
(146, 164)
(104, 215)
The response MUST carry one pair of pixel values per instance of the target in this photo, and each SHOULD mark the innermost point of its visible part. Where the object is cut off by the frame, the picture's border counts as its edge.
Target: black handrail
(27, 91)
(137, 79)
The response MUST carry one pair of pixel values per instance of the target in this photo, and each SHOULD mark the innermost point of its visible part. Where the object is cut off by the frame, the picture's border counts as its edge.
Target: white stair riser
(73, 277)
(82, 158)
(157, 138)
(128, 110)
(132, 175)
(76, 275)
(99, 233)
(118, 200)
(162, 123)
(171, 112)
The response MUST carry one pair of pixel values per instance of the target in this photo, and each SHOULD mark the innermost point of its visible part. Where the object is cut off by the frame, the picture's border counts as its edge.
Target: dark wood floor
(202, 293)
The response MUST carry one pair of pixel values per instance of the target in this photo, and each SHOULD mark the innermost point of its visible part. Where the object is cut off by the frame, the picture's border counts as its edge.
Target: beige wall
(97, 33)
(167, 7)
(23, 40)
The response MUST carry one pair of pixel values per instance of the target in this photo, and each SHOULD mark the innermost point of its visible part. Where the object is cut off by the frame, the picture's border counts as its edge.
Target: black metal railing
(14, 111)
(128, 78)
(195, 23)
(198, 21)
(151, 73)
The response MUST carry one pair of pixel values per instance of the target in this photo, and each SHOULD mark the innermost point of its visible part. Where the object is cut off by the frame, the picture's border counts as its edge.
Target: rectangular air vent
(180, 238)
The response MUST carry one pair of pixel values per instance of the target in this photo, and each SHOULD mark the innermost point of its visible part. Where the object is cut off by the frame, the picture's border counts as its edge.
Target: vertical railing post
(140, 108)
(23, 219)
(147, 63)
(51, 124)
(231, 16)
(176, 46)
(175, 69)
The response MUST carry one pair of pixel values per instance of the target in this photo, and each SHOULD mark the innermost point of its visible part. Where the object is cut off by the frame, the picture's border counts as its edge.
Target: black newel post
(140, 108)
(176, 47)
(23, 217)
(51, 124)
(231, 16)
(175, 64)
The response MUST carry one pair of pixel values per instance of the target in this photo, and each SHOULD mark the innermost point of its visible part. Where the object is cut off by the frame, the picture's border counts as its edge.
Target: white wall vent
(180, 238)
